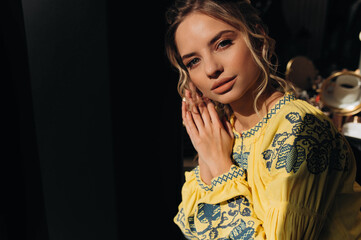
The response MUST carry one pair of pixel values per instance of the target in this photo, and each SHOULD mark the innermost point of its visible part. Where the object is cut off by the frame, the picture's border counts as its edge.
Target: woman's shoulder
(298, 118)
(302, 107)
(298, 112)
(298, 132)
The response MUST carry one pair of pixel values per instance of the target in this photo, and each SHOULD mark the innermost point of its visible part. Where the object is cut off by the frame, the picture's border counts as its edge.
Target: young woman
(270, 166)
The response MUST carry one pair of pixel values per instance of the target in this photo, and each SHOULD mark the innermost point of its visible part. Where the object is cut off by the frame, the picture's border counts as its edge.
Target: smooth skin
(214, 51)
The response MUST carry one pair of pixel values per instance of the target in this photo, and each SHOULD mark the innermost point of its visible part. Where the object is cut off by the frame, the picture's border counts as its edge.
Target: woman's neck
(243, 109)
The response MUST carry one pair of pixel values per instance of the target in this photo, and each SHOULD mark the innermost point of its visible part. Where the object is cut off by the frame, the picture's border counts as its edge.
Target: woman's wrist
(205, 174)
(220, 167)
(210, 170)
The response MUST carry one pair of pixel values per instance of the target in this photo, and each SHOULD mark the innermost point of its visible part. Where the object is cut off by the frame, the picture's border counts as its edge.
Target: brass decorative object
(326, 96)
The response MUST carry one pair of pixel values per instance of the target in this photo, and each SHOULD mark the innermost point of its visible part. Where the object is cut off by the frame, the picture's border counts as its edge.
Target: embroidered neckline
(288, 97)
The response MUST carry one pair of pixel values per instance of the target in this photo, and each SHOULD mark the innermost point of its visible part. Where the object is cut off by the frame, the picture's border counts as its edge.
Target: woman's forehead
(198, 29)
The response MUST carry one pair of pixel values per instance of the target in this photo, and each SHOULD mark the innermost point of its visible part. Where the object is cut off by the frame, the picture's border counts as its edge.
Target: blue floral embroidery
(314, 141)
(215, 217)
(240, 156)
(268, 156)
(240, 153)
(242, 232)
(188, 232)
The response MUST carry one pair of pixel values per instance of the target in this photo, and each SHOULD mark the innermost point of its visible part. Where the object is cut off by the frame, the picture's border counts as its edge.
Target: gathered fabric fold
(282, 217)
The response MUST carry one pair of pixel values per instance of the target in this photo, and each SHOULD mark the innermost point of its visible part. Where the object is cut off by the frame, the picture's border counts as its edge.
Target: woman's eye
(224, 43)
(192, 62)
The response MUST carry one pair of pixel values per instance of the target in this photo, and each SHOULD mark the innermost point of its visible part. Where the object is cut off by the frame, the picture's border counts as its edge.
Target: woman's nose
(213, 68)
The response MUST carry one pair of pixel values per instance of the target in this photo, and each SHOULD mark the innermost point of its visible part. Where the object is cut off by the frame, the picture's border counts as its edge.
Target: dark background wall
(93, 144)
(68, 63)
(146, 120)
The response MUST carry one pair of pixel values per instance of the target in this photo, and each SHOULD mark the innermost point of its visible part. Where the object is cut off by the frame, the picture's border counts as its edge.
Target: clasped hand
(211, 137)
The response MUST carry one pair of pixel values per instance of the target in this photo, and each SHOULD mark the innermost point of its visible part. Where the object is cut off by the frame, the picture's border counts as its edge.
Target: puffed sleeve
(222, 210)
(306, 161)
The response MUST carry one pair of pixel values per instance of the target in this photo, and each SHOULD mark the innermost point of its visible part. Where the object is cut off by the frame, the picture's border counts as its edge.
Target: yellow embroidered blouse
(292, 178)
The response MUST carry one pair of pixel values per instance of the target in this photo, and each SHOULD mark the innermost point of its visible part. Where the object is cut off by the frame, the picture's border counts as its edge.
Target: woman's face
(217, 58)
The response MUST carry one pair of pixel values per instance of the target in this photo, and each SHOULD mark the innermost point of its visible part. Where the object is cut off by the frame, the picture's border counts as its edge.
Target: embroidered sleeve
(305, 162)
(223, 210)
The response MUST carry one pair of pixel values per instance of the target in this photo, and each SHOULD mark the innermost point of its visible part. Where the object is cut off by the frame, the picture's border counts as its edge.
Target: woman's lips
(223, 85)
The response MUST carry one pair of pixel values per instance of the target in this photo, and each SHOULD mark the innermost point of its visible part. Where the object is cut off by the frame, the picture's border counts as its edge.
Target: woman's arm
(216, 198)
(211, 138)
(307, 164)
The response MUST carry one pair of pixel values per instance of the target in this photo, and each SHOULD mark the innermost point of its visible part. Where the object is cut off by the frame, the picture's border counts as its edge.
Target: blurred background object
(301, 72)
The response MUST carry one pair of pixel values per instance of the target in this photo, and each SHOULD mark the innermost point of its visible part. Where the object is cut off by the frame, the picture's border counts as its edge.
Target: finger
(191, 126)
(186, 120)
(203, 111)
(195, 94)
(197, 118)
(184, 110)
(213, 113)
(191, 102)
(193, 91)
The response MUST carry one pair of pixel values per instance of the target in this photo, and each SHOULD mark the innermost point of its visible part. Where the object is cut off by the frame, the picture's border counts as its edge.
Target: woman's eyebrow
(212, 41)
(218, 36)
(188, 55)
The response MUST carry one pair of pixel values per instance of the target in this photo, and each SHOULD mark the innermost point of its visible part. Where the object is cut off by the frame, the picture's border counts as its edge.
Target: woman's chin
(226, 98)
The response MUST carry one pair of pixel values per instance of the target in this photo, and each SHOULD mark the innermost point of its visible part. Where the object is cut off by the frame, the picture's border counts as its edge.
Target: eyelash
(222, 44)
(192, 62)
(227, 42)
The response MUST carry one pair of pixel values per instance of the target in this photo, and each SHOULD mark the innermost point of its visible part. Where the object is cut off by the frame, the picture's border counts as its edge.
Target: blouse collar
(288, 97)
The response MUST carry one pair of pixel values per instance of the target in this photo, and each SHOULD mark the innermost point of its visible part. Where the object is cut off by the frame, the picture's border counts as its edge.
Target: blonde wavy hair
(242, 16)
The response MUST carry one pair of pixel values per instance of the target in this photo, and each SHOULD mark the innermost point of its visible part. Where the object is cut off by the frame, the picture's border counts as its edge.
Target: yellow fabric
(292, 178)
